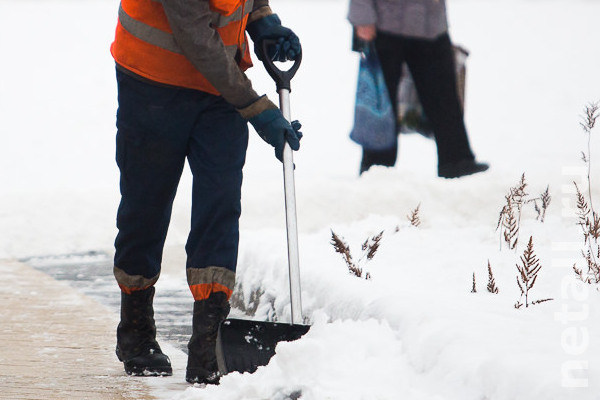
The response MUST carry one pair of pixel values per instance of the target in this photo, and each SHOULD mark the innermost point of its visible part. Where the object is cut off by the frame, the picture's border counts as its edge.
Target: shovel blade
(244, 345)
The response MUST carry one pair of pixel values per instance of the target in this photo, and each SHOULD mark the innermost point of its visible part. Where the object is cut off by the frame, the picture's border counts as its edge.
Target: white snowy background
(414, 330)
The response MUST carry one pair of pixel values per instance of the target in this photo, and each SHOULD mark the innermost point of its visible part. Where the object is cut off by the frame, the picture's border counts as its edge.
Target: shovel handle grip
(282, 78)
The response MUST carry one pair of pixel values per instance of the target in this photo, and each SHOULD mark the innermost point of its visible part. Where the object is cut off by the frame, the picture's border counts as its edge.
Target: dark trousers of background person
(432, 66)
(159, 127)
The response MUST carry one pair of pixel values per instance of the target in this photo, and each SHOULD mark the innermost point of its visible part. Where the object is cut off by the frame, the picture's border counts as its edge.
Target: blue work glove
(287, 45)
(274, 129)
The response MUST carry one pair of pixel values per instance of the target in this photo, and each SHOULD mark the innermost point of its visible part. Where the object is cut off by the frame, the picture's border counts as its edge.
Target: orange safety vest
(144, 42)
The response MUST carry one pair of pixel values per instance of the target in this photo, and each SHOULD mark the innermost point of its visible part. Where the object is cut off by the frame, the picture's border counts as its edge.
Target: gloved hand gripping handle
(282, 78)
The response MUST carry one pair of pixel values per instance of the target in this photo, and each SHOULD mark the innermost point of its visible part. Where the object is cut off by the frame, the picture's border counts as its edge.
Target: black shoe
(137, 347)
(461, 168)
(202, 357)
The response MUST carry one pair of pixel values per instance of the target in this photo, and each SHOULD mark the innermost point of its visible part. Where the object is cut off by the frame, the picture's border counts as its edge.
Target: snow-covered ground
(414, 330)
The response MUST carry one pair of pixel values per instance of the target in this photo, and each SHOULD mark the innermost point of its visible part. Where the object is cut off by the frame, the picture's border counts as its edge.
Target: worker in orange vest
(183, 94)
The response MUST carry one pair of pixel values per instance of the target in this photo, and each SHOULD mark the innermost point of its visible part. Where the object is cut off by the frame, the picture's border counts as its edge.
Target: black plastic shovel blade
(244, 345)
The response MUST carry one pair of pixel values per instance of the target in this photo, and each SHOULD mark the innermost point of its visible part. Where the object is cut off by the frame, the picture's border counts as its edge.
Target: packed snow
(415, 329)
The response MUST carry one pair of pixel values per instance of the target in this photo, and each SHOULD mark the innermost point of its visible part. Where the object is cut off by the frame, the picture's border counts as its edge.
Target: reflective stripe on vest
(142, 38)
(166, 40)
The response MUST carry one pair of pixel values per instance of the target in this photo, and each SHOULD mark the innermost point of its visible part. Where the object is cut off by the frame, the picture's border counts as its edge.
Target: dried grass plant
(528, 274)
(369, 249)
(238, 301)
(414, 218)
(509, 221)
(588, 218)
(544, 201)
(491, 286)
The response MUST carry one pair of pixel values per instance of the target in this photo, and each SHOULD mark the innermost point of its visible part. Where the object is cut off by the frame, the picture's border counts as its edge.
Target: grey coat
(416, 18)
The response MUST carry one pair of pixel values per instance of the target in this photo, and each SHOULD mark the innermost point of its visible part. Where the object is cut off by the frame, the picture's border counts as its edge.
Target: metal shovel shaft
(290, 216)
(244, 345)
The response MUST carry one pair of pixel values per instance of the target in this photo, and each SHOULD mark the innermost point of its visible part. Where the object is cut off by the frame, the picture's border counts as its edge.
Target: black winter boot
(202, 359)
(136, 336)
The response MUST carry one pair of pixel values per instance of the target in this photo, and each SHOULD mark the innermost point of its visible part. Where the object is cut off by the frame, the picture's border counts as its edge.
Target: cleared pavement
(56, 343)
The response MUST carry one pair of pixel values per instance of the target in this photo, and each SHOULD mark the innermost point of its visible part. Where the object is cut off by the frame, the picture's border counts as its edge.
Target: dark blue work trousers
(158, 128)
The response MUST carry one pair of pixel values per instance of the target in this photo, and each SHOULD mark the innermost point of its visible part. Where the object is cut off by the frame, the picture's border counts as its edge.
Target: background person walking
(415, 32)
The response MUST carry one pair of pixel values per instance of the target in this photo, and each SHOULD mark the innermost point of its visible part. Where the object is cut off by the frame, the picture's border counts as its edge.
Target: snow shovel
(244, 345)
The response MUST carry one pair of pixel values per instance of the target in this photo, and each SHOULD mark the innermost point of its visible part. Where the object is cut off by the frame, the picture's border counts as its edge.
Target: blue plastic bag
(374, 119)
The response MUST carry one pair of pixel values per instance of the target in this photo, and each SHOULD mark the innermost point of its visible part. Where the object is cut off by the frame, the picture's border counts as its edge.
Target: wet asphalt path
(91, 273)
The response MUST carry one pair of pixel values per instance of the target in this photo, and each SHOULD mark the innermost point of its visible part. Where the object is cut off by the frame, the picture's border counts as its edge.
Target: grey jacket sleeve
(362, 12)
(190, 21)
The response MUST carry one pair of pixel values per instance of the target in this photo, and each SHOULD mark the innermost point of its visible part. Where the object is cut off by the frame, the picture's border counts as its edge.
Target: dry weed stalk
(369, 249)
(588, 219)
(371, 245)
(491, 286)
(508, 225)
(238, 300)
(474, 287)
(593, 265)
(579, 273)
(588, 124)
(341, 247)
(528, 273)
(540, 301)
(509, 222)
(414, 217)
(544, 200)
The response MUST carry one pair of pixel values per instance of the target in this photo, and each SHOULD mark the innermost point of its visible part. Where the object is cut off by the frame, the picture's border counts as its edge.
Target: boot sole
(203, 381)
(166, 371)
